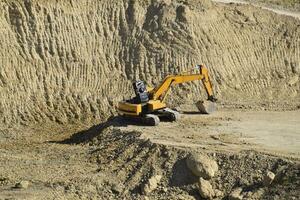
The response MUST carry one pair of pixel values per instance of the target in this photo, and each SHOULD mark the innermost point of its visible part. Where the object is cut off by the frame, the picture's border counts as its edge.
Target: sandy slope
(73, 61)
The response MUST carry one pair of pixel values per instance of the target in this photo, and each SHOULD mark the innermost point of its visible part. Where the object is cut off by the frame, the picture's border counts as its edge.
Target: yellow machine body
(131, 109)
(151, 101)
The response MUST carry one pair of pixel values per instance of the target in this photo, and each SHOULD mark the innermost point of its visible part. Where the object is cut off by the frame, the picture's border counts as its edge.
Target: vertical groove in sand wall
(75, 60)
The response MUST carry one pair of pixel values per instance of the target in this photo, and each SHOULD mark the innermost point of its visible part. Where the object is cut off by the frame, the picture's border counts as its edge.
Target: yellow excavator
(149, 105)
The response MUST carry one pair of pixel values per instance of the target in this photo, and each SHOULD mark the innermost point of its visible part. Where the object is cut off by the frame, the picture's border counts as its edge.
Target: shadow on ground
(87, 135)
(193, 113)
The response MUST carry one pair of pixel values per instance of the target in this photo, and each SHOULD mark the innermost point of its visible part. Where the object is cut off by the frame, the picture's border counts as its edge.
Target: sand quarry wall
(74, 60)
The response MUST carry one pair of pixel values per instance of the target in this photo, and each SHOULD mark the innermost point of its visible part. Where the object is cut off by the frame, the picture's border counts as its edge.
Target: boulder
(151, 184)
(202, 166)
(205, 189)
(293, 80)
(236, 194)
(295, 68)
(22, 184)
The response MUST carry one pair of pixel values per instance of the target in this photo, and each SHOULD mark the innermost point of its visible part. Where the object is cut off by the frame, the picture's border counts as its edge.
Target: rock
(280, 74)
(248, 195)
(4, 181)
(236, 194)
(70, 188)
(165, 190)
(201, 165)
(151, 184)
(181, 13)
(238, 87)
(206, 107)
(257, 194)
(22, 184)
(281, 174)
(268, 178)
(185, 197)
(167, 2)
(117, 189)
(295, 68)
(218, 193)
(205, 189)
(293, 80)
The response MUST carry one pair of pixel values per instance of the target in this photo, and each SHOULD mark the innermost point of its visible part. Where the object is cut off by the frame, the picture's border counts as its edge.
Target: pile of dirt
(113, 161)
(135, 162)
(73, 61)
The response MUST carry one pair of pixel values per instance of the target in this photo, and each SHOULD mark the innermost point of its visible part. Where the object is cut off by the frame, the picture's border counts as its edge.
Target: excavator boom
(159, 92)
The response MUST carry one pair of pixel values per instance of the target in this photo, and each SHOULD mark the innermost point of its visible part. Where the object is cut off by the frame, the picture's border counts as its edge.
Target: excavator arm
(160, 92)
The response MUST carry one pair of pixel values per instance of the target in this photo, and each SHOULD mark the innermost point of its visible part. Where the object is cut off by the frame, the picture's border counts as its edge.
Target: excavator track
(169, 114)
(151, 120)
(148, 119)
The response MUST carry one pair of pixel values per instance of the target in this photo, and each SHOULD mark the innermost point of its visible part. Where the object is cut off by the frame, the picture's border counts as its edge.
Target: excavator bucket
(206, 107)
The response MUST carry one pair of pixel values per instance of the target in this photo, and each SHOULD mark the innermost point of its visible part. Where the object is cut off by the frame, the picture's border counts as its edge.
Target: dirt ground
(274, 131)
(78, 162)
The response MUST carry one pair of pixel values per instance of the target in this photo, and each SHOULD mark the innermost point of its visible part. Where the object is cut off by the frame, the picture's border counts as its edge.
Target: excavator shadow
(193, 113)
(87, 135)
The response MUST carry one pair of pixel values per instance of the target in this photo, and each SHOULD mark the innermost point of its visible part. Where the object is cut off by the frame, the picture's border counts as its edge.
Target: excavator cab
(141, 92)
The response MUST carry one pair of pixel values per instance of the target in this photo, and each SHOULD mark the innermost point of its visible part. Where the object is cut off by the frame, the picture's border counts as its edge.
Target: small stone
(205, 189)
(117, 189)
(257, 194)
(295, 68)
(22, 185)
(3, 180)
(165, 190)
(166, 153)
(70, 187)
(238, 87)
(280, 75)
(268, 178)
(236, 194)
(185, 197)
(218, 193)
(248, 195)
(151, 184)
(293, 80)
(281, 174)
(202, 166)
